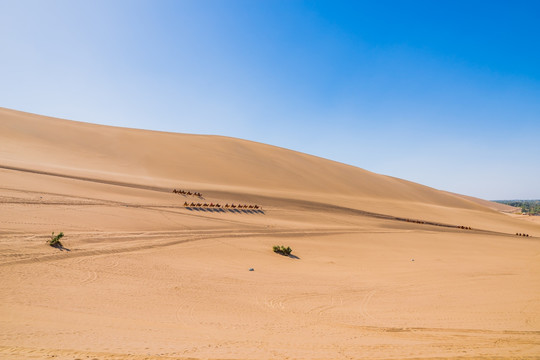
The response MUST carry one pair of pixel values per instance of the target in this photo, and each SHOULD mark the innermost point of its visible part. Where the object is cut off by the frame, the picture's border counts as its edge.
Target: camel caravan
(423, 222)
(520, 234)
(226, 206)
(184, 192)
(231, 207)
(415, 221)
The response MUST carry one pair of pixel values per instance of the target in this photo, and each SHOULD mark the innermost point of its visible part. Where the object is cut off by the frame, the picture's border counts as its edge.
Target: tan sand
(493, 205)
(381, 269)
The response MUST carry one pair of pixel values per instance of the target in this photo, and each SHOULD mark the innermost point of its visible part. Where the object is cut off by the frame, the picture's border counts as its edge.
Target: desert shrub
(282, 250)
(55, 239)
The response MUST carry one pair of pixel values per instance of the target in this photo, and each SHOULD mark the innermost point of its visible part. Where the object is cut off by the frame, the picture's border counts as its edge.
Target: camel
(192, 204)
(186, 204)
(233, 206)
(199, 204)
(189, 193)
(256, 206)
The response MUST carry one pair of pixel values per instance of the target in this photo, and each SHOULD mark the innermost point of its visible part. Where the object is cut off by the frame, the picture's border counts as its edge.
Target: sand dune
(382, 267)
(165, 158)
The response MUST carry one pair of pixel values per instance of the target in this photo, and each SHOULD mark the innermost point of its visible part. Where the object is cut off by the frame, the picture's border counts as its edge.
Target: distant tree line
(531, 207)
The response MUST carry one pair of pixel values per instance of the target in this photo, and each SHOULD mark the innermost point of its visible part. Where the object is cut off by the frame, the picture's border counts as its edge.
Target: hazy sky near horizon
(443, 93)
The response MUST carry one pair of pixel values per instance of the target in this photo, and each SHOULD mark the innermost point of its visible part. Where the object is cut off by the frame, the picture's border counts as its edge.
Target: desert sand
(381, 267)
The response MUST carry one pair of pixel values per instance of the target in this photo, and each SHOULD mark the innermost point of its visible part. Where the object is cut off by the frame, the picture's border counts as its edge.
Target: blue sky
(443, 93)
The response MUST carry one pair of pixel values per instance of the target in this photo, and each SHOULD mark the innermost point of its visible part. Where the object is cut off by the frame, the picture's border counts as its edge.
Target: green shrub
(55, 239)
(282, 250)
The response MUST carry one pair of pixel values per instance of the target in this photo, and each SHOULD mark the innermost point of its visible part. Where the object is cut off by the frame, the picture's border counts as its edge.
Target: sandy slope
(142, 277)
(492, 204)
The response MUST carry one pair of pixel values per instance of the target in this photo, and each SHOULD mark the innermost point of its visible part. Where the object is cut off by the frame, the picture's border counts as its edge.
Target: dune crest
(44, 143)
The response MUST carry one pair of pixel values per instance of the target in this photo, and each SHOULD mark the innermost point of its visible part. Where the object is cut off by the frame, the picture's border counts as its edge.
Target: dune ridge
(201, 159)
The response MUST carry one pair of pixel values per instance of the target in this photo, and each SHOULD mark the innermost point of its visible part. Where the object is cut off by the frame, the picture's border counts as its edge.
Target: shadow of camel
(224, 210)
